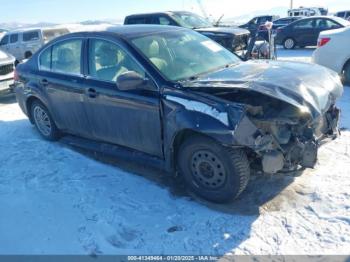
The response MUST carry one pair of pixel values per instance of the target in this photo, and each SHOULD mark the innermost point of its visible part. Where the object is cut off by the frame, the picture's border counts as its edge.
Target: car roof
(160, 13)
(290, 17)
(127, 31)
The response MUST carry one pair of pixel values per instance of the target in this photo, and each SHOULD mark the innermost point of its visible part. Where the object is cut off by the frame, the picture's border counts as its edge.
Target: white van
(310, 11)
(23, 43)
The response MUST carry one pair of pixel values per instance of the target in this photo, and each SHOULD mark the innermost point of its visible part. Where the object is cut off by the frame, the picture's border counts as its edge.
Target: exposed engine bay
(282, 136)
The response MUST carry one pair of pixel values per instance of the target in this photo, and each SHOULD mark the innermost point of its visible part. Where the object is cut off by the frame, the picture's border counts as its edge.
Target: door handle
(44, 82)
(92, 93)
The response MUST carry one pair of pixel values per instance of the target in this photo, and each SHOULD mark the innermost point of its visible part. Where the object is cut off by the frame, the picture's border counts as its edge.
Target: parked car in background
(333, 51)
(263, 32)
(23, 43)
(2, 32)
(305, 11)
(305, 32)
(233, 39)
(7, 62)
(254, 24)
(172, 97)
(343, 14)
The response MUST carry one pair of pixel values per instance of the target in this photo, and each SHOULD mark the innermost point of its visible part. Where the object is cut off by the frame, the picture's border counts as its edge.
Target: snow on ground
(59, 200)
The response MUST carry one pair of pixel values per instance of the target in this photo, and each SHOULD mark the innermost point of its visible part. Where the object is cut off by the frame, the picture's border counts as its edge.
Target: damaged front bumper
(286, 145)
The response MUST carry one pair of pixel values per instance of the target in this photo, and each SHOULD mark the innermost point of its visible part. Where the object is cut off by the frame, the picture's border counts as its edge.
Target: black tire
(27, 54)
(38, 111)
(346, 74)
(289, 43)
(229, 169)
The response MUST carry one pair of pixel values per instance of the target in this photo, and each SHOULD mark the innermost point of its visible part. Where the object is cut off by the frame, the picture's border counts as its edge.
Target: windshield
(190, 20)
(183, 54)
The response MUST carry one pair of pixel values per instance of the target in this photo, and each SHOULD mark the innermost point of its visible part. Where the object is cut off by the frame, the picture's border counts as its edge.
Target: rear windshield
(341, 21)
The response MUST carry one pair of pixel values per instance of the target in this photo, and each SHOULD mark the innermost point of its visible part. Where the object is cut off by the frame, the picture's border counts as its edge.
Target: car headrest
(65, 55)
(153, 49)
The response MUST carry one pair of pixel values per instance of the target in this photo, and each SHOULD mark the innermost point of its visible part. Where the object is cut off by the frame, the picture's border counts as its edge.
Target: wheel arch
(346, 64)
(181, 136)
(29, 102)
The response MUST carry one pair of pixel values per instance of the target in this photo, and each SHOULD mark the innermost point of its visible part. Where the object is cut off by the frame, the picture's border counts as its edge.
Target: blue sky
(62, 11)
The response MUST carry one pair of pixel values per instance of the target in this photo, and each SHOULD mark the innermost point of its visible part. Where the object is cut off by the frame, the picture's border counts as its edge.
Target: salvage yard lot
(56, 199)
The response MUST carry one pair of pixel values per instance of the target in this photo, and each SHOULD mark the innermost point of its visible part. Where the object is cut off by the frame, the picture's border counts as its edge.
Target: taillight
(15, 75)
(323, 41)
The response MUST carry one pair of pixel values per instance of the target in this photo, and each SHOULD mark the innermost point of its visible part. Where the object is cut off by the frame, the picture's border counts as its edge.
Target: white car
(6, 71)
(22, 43)
(333, 51)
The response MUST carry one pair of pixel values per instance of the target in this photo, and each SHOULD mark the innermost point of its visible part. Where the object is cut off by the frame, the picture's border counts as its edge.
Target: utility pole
(291, 4)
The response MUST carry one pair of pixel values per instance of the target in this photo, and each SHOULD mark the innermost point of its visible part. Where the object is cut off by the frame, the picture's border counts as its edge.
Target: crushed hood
(223, 30)
(304, 85)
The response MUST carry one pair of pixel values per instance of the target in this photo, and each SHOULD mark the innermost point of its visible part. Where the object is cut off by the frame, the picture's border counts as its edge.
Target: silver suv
(6, 71)
(25, 42)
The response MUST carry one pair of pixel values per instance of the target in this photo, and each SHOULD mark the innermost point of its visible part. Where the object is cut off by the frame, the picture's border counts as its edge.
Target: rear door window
(163, 20)
(66, 57)
(30, 36)
(14, 38)
(325, 24)
(136, 20)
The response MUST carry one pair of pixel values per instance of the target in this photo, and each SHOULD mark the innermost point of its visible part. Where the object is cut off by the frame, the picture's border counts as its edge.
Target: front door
(127, 118)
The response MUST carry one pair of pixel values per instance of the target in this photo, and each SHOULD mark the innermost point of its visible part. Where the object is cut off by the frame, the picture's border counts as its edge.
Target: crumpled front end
(285, 144)
(289, 109)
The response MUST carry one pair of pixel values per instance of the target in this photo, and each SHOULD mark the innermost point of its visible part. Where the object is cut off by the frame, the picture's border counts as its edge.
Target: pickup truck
(232, 38)
(6, 71)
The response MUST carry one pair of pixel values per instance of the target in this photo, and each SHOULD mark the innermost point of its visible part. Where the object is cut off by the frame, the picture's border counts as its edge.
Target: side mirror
(132, 80)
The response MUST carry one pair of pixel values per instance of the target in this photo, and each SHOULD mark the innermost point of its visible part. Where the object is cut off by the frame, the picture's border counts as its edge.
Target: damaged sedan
(172, 97)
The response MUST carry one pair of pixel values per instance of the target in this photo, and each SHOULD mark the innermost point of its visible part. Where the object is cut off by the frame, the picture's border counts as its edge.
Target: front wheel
(212, 171)
(44, 122)
(289, 43)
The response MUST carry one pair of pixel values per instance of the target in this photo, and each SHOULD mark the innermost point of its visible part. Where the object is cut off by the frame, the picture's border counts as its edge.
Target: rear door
(62, 80)
(127, 118)
(304, 32)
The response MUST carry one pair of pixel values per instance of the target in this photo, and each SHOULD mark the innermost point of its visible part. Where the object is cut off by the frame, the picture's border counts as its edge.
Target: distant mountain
(88, 23)
(104, 21)
(15, 25)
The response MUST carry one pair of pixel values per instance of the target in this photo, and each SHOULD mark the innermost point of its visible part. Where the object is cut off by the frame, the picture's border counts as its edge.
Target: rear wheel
(44, 122)
(346, 74)
(289, 43)
(214, 172)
